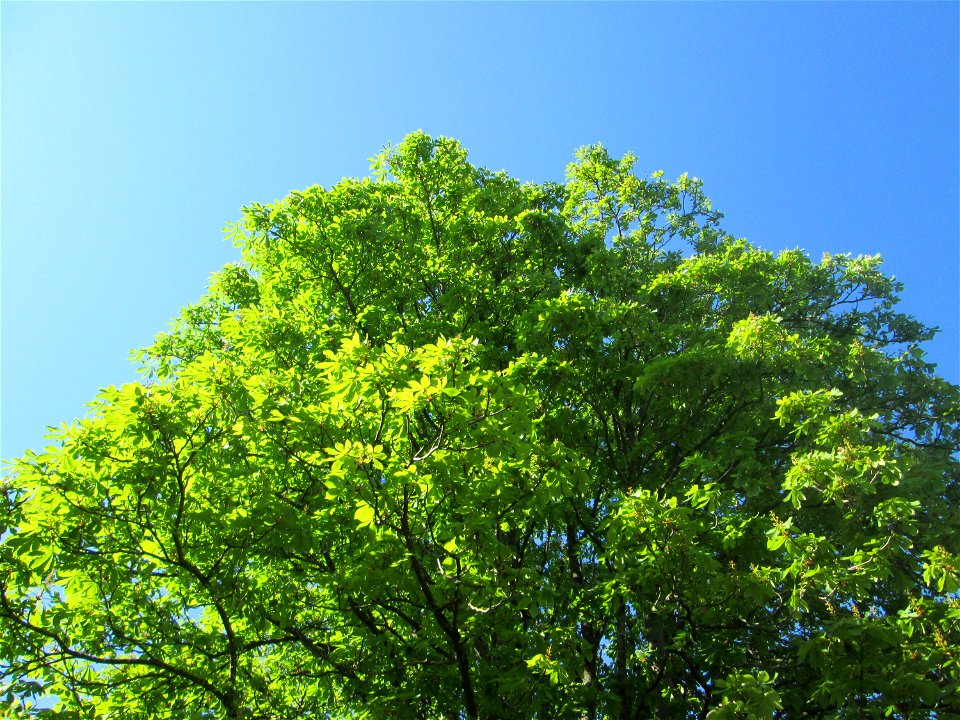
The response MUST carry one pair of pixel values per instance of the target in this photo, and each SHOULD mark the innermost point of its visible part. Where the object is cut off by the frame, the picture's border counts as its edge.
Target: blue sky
(132, 132)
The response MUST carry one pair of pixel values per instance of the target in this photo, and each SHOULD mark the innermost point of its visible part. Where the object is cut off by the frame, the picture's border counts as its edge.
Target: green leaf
(364, 514)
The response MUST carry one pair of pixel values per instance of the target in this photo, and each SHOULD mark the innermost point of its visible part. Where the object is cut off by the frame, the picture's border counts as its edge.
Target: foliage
(446, 445)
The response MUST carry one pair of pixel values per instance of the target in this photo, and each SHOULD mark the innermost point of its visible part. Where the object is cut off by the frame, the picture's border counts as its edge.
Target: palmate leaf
(446, 445)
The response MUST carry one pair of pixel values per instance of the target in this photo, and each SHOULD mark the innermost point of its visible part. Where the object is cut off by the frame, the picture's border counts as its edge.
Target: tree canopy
(447, 445)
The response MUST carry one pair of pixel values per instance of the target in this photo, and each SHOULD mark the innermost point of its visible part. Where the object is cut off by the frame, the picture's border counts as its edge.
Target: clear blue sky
(132, 132)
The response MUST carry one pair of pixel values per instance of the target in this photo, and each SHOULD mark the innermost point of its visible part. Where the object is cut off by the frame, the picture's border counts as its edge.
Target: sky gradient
(133, 132)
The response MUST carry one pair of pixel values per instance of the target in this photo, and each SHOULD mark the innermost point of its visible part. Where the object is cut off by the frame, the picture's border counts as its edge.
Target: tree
(446, 445)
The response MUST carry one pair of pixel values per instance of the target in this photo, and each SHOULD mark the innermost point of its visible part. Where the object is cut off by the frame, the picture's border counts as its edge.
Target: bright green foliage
(445, 445)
